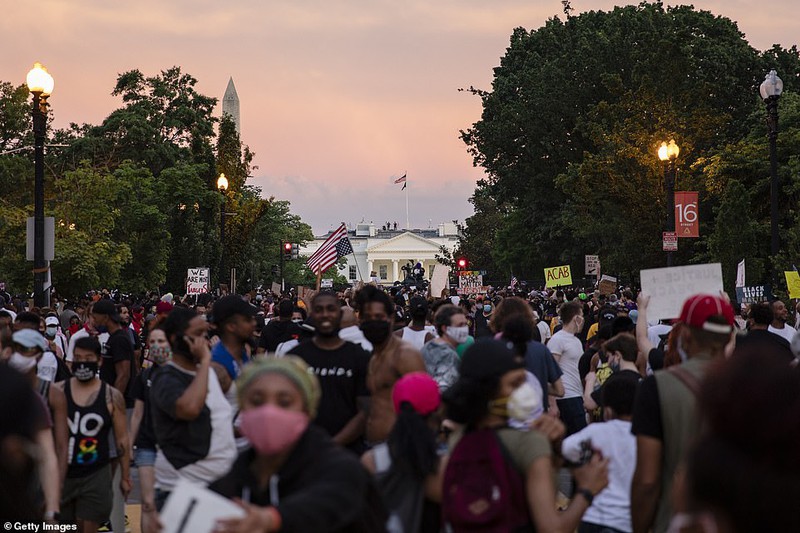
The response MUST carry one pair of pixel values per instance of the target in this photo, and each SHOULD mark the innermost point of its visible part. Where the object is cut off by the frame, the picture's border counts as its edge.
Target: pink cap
(418, 389)
(698, 308)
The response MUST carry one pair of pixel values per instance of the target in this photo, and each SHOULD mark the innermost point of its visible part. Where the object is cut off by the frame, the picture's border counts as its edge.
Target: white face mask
(51, 331)
(522, 403)
(458, 333)
(20, 363)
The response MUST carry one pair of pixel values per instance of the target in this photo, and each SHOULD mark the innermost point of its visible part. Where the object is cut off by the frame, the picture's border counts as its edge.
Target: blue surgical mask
(487, 308)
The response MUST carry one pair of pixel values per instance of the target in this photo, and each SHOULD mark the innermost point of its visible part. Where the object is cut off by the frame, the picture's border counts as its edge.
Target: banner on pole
(687, 218)
(560, 276)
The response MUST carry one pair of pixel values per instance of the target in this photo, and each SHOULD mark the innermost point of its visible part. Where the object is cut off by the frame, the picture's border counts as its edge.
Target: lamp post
(668, 153)
(771, 89)
(222, 187)
(40, 84)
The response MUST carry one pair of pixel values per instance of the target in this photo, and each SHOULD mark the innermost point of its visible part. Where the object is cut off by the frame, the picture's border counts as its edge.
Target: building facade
(382, 252)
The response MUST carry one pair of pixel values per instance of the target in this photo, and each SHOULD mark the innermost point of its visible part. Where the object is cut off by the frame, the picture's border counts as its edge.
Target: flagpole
(408, 224)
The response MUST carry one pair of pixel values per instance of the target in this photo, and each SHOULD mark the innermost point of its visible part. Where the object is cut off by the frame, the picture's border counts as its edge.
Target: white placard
(440, 279)
(326, 283)
(197, 280)
(668, 288)
(592, 265)
(193, 508)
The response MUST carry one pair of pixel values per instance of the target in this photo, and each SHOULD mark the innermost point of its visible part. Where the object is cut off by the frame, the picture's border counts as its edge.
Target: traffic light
(295, 250)
(287, 251)
(462, 263)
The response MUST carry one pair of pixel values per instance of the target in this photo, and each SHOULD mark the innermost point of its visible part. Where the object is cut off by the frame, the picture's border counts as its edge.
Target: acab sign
(559, 276)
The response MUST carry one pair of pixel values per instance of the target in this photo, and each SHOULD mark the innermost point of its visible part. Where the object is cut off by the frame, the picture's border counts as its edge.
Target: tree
(569, 132)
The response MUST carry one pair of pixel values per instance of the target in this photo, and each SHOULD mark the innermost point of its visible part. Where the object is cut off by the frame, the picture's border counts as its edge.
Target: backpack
(482, 489)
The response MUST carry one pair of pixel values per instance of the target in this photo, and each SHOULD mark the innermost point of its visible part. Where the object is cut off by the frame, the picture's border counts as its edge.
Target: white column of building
(395, 270)
(370, 267)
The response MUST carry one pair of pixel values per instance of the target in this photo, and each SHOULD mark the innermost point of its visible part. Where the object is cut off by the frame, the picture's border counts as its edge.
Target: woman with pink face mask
(293, 478)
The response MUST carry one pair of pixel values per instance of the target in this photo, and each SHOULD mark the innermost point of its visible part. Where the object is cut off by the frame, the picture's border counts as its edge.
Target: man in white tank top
(416, 332)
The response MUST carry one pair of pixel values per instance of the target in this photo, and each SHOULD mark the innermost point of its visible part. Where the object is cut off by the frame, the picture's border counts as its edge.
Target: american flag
(401, 179)
(335, 246)
(514, 282)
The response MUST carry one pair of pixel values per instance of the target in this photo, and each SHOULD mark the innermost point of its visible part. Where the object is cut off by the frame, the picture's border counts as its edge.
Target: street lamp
(668, 153)
(222, 187)
(40, 84)
(771, 89)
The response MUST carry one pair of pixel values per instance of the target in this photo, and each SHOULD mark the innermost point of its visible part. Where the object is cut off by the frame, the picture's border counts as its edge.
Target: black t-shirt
(146, 438)
(278, 331)
(116, 349)
(482, 325)
(647, 411)
(183, 441)
(767, 339)
(342, 375)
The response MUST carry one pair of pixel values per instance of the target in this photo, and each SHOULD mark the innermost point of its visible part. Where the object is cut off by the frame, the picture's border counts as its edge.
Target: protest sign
(592, 265)
(197, 280)
(559, 276)
(470, 282)
(608, 285)
(793, 283)
(194, 508)
(668, 288)
(753, 294)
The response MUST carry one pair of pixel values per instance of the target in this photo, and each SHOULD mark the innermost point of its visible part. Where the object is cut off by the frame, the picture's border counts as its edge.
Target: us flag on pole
(335, 246)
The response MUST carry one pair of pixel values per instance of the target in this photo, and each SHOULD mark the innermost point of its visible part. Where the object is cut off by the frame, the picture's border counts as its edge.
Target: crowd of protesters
(389, 409)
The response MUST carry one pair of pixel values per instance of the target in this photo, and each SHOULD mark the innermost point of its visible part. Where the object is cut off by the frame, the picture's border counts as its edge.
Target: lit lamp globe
(222, 183)
(39, 80)
(771, 86)
(669, 151)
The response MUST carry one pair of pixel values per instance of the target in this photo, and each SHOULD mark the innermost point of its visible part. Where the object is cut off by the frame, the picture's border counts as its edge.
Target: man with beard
(392, 358)
(780, 315)
(341, 368)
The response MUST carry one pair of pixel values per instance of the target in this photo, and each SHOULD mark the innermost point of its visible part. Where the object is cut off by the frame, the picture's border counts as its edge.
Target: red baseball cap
(698, 308)
(418, 389)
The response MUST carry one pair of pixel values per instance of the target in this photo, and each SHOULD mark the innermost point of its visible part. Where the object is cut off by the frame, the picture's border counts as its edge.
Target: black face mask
(84, 370)
(376, 331)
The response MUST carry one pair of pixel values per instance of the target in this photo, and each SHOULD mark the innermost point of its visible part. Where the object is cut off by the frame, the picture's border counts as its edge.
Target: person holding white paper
(294, 478)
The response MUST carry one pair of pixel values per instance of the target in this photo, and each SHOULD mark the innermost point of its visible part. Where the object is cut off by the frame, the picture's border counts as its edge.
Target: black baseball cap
(107, 307)
(228, 306)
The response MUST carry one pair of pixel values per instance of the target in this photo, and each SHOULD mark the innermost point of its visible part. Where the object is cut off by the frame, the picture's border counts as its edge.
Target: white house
(381, 252)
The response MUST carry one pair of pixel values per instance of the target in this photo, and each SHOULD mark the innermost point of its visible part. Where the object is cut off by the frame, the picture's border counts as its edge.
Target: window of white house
(352, 271)
(383, 271)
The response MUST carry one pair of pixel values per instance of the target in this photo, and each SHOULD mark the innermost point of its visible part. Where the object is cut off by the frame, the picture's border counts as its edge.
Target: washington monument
(230, 105)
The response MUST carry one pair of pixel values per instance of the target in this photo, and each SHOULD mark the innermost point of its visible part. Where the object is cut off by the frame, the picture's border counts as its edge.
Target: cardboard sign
(276, 287)
(793, 283)
(193, 508)
(754, 294)
(592, 265)
(197, 280)
(559, 276)
(669, 241)
(668, 288)
(440, 279)
(687, 217)
(607, 285)
(470, 282)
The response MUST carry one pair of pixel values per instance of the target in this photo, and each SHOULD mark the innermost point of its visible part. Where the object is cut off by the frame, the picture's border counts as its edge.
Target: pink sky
(336, 97)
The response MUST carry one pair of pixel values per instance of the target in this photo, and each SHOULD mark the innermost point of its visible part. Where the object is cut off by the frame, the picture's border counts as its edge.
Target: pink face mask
(272, 430)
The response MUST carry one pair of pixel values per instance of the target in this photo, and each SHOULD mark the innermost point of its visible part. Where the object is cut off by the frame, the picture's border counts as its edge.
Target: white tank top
(416, 338)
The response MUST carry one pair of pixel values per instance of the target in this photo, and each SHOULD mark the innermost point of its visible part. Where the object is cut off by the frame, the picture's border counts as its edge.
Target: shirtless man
(391, 358)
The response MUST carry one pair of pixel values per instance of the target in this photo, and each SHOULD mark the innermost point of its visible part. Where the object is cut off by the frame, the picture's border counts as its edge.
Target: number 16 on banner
(687, 219)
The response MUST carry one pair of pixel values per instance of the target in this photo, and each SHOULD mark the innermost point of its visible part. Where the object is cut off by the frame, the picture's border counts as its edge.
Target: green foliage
(569, 134)
(135, 198)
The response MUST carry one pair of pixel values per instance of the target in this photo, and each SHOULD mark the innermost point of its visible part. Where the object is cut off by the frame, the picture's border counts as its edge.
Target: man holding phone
(192, 420)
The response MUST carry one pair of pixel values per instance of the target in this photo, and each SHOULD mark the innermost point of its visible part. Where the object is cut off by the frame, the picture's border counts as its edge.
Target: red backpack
(482, 489)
